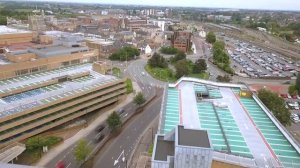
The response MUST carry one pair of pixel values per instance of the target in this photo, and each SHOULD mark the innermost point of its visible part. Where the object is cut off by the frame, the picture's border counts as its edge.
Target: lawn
(129, 87)
(163, 74)
(116, 71)
(203, 75)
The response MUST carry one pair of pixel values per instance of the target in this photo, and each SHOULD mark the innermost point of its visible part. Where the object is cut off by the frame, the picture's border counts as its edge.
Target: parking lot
(251, 61)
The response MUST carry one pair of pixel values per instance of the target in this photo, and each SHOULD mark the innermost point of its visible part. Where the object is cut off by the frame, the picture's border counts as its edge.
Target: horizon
(279, 5)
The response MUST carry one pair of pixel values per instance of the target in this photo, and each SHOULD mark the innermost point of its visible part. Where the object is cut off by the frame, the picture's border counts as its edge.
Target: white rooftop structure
(8, 30)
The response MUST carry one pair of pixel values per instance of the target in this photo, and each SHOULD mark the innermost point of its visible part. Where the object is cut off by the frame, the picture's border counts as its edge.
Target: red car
(295, 97)
(284, 96)
(60, 164)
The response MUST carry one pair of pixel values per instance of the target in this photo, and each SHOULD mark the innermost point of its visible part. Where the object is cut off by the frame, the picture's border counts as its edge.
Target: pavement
(64, 152)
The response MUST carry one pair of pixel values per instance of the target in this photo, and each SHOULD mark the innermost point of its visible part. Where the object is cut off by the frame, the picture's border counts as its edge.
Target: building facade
(32, 104)
(182, 40)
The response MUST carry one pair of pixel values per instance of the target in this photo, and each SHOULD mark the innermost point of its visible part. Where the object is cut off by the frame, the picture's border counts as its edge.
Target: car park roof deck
(236, 125)
(29, 99)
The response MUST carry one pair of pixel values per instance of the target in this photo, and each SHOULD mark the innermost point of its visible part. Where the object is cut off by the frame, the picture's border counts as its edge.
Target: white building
(148, 49)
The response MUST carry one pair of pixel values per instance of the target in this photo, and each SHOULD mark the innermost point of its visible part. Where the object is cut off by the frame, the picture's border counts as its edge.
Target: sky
(240, 4)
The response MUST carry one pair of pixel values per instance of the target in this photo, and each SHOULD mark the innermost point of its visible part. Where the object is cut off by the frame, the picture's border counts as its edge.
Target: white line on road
(68, 165)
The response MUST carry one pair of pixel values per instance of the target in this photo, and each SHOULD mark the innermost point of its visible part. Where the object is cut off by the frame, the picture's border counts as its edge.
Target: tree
(157, 61)
(219, 45)
(35, 143)
(211, 37)
(293, 90)
(276, 104)
(182, 68)
(179, 56)
(82, 150)
(114, 121)
(297, 84)
(139, 99)
(225, 78)
(200, 66)
(168, 50)
(125, 53)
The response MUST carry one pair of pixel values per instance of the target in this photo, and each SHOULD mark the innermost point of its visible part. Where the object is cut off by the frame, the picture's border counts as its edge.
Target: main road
(148, 87)
(112, 154)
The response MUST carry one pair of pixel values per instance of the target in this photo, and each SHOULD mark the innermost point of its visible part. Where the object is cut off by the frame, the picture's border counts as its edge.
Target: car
(60, 164)
(100, 128)
(99, 137)
(121, 111)
(294, 97)
(143, 73)
(289, 96)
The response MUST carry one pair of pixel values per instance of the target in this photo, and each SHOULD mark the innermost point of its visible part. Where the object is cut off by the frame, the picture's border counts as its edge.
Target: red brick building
(181, 40)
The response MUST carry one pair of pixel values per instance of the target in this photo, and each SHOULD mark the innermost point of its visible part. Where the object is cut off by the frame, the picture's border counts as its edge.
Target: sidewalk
(83, 132)
(142, 147)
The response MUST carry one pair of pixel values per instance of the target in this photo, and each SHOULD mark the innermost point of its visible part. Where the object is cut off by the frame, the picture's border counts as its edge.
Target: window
(65, 63)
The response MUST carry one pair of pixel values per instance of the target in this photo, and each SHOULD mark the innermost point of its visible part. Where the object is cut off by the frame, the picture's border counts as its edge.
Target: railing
(163, 110)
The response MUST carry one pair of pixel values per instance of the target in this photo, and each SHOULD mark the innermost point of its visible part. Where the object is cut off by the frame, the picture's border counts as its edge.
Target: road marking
(68, 165)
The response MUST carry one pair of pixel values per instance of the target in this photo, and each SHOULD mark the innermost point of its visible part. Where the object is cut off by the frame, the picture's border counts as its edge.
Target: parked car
(294, 97)
(99, 137)
(284, 96)
(100, 128)
(289, 96)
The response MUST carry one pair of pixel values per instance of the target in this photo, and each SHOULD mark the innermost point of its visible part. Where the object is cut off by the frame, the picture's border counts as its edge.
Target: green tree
(82, 150)
(225, 78)
(297, 84)
(200, 66)
(168, 50)
(125, 53)
(219, 45)
(211, 37)
(114, 121)
(35, 143)
(276, 104)
(182, 68)
(139, 99)
(179, 56)
(293, 90)
(157, 61)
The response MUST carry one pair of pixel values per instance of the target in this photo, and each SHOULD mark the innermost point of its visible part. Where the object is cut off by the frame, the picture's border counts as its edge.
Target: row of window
(55, 113)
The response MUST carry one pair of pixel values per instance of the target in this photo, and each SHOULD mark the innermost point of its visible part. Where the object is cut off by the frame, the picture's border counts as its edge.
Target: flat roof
(239, 126)
(8, 30)
(164, 149)
(56, 50)
(26, 100)
(198, 138)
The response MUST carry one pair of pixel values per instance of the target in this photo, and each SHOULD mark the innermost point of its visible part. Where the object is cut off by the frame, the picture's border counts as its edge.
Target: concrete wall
(20, 57)
(8, 39)
(192, 157)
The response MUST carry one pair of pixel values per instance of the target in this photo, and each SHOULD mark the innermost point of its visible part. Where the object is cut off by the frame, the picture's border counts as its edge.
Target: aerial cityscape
(149, 84)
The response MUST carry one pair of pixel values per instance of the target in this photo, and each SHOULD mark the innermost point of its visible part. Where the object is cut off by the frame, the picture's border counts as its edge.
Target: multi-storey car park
(241, 130)
(31, 104)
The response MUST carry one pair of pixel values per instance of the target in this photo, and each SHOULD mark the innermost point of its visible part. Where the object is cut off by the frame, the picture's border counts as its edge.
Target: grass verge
(163, 74)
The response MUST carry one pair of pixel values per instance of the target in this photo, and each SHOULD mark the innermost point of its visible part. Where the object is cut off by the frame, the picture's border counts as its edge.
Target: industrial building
(27, 57)
(227, 122)
(33, 103)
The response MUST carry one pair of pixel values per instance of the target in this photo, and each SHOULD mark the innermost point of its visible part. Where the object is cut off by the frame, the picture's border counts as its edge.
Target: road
(122, 146)
(135, 70)
(67, 155)
(148, 86)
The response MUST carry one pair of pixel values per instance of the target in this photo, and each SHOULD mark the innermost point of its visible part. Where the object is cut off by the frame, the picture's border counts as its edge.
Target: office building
(241, 131)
